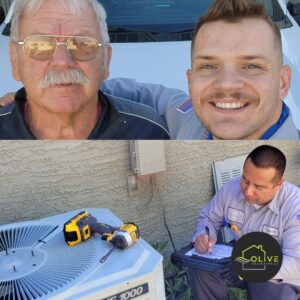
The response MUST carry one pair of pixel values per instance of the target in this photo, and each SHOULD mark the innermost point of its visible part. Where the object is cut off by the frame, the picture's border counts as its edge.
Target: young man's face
(259, 185)
(237, 81)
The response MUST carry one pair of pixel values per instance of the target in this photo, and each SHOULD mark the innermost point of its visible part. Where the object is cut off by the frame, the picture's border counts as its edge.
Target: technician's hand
(7, 99)
(203, 244)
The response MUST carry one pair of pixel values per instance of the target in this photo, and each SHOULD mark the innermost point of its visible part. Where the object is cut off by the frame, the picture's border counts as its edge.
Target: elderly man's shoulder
(137, 111)
(6, 110)
(5, 114)
(6, 121)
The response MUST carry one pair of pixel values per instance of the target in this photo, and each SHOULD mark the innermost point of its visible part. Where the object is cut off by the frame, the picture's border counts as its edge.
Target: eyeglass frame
(60, 43)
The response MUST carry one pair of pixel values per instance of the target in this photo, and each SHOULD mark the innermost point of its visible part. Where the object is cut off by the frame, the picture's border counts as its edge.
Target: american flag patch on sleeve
(185, 107)
(298, 219)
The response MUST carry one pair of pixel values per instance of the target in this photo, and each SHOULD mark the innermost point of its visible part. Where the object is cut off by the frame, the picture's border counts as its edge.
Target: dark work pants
(209, 286)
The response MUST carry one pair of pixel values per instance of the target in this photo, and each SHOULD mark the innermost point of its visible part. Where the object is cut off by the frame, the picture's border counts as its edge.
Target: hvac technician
(259, 201)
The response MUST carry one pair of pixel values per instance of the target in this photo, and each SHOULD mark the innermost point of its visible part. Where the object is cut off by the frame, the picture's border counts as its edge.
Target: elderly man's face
(53, 19)
(237, 82)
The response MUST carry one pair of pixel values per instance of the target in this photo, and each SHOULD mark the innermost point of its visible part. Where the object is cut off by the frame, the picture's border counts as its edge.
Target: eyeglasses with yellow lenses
(42, 47)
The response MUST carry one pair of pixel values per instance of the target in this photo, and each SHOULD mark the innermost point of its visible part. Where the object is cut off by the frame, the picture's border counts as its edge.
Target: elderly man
(59, 50)
(258, 201)
(237, 83)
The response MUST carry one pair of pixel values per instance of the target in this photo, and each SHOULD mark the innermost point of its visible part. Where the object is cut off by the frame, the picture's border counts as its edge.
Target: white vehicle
(151, 41)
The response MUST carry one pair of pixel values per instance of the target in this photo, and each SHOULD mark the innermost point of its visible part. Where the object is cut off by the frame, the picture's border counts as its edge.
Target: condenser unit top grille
(36, 263)
(33, 266)
(25, 236)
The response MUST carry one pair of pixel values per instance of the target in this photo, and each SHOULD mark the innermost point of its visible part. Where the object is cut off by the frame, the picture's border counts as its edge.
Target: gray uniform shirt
(177, 110)
(279, 218)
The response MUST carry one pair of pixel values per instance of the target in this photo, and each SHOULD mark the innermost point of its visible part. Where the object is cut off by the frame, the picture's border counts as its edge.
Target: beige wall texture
(41, 178)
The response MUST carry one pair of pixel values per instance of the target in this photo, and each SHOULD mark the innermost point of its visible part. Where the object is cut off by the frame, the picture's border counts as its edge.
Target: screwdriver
(103, 259)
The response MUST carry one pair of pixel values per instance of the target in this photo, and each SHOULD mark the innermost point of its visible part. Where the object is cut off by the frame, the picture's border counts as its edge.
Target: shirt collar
(274, 203)
(20, 99)
(110, 121)
(284, 115)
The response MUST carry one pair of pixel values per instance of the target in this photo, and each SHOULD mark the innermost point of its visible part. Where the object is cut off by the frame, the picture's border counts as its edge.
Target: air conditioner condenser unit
(36, 263)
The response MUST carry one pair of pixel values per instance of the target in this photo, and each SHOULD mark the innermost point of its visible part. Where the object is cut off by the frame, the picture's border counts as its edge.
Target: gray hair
(75, 6)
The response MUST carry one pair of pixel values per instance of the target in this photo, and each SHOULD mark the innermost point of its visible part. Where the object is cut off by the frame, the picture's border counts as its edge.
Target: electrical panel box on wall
(147, 157)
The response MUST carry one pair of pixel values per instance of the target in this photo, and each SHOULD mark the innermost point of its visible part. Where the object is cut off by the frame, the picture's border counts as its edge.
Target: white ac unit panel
(226, 169)
(36, 263)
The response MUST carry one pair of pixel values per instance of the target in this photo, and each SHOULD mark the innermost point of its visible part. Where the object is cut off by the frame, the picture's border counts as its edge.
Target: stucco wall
(45, 178)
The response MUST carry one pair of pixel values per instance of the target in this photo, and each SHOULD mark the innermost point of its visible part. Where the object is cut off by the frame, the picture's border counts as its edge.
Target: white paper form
(219, 251)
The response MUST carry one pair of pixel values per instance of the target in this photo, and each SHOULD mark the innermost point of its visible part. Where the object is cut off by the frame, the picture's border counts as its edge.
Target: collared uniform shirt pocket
(236, 215)
(273, 231)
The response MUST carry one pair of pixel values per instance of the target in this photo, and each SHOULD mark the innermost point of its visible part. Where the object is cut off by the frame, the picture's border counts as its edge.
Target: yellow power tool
(123, 237)
(82, 226)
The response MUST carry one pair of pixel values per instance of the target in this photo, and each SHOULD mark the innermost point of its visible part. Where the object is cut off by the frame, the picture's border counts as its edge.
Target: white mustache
(72, 76)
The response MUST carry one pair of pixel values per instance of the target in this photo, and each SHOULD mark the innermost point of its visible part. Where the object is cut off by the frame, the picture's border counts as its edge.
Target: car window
(160, 13)
(152, 20)
(162, 20)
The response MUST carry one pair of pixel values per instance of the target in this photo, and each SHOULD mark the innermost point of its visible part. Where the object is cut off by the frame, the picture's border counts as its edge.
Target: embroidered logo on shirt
(185, 107)
(298, 219)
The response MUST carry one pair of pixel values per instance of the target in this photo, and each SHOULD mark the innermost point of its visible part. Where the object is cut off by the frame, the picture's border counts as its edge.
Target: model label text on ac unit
(131, 294)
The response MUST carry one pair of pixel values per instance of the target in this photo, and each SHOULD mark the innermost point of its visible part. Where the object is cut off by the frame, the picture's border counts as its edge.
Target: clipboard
(180, 259)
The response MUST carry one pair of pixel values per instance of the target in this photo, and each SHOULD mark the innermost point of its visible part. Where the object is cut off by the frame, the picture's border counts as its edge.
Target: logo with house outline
(253, 258)
(256, 257)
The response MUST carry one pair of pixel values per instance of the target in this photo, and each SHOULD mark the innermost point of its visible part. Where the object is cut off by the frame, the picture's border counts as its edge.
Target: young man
(261, 200)
(237, 83)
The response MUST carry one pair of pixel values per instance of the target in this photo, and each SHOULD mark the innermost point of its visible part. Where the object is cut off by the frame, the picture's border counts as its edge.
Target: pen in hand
(205, 241)
(207, 233)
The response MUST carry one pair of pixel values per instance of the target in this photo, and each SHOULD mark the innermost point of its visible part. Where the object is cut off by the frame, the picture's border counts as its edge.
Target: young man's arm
(157, 96)
(168, 102)
(172, 104)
